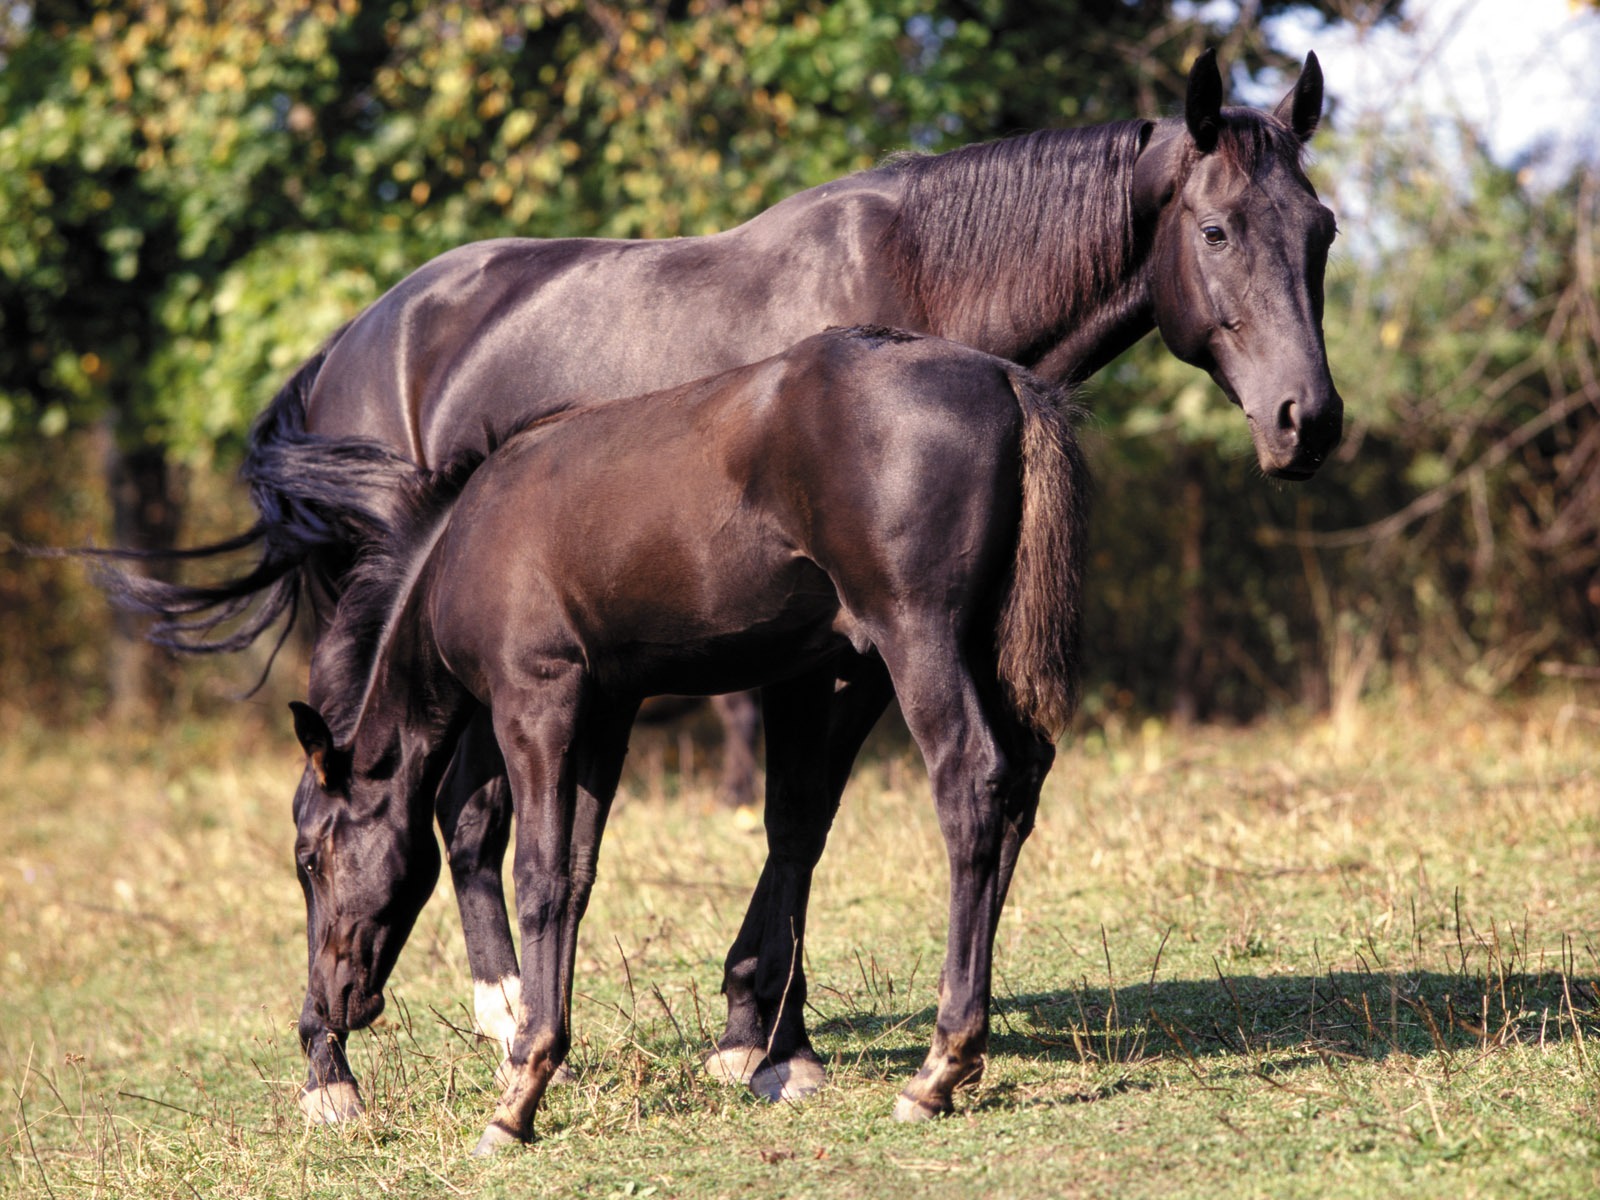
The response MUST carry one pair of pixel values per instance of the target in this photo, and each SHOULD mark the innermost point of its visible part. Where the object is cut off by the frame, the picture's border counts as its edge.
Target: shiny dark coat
(1058, 249)
(889, 510)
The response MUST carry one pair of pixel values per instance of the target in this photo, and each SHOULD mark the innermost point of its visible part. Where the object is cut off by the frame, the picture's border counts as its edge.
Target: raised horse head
(1240, 246)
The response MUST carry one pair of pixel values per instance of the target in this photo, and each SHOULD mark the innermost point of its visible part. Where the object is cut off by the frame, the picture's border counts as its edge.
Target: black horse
(897, 511)
(1058, 249)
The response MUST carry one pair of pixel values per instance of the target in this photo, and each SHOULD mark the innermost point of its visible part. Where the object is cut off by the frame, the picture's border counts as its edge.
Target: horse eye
(1214, 235)
(308, 862)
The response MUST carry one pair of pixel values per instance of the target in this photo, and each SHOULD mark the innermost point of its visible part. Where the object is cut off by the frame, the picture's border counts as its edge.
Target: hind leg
(741, 726)
(986, 769)
(814, 731)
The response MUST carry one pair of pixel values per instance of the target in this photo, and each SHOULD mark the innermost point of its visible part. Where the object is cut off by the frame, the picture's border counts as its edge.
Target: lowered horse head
(1240, 244)
(366, 867)
(376, 744)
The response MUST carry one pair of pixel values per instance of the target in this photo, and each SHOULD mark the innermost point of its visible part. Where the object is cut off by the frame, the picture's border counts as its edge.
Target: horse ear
(1202, 109)
(1301, 109)
(315, 739)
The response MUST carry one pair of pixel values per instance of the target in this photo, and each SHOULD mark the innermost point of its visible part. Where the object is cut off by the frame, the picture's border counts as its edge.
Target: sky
(1526, 73)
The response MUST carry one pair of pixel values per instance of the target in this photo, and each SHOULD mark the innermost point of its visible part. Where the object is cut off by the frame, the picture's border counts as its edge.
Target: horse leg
(1033, 756)
(562, 764)
(985, 797)
(741, 725)
(813, 735)
(474, 812)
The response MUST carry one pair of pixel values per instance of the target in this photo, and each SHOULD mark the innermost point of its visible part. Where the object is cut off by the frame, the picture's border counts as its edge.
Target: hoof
(736, 1066)
(331, 1105)
(788, 1081)
(494, 1139)
(907, 1110)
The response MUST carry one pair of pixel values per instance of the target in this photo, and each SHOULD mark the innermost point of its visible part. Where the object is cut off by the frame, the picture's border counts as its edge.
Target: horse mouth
(353, 1008)
(1292, 474)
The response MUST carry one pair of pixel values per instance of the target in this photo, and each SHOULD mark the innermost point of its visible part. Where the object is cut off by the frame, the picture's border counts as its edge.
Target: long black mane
(1040, 224)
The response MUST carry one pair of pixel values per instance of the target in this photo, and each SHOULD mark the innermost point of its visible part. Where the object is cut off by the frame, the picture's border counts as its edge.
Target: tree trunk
(145, 510)
(1188, 705)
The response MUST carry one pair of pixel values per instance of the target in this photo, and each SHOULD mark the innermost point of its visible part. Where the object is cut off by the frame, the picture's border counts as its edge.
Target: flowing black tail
(316, 496)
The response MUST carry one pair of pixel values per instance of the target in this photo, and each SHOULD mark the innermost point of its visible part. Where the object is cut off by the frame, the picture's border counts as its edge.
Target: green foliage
(193, 195)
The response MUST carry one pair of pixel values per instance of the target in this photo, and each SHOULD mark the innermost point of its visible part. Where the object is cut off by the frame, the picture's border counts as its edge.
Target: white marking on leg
(497, 1007)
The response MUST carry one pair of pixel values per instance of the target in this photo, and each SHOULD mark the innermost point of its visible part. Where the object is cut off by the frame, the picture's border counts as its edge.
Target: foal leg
(985, 798)
(474, 811)
(813, 735)
(562, 783)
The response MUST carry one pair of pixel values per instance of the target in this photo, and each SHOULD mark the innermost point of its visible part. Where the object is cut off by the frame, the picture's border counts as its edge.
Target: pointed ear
(1202, 109)
(315, 739)
(1301, 109)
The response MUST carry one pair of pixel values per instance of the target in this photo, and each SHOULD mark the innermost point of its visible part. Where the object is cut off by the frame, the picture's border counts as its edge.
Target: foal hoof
(494, 1139)
(332, 1104)
(788, 1081)
(907, 1109)
(736, 1066)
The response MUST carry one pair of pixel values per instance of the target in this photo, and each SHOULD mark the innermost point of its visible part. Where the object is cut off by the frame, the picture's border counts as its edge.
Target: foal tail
(313, 495)
(1038, 635)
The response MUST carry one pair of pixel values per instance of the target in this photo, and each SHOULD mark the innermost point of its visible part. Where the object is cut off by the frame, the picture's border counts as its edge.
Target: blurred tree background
(194, 194)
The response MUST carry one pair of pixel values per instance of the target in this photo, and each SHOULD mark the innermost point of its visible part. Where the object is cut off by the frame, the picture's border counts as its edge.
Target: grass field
(1290, 960)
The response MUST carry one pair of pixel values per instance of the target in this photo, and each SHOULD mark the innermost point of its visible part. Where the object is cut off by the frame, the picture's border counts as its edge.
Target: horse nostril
(1289, 417)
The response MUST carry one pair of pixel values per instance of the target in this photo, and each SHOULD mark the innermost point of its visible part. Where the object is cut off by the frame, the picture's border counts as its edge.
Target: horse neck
(377, 671)
(1028, 248)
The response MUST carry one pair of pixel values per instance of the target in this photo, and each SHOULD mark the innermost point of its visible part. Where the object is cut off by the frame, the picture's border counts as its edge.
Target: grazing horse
(1058, 249)
(893, 510)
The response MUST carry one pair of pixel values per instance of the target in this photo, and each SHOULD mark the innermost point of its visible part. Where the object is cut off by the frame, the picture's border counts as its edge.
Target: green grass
(1292, 960)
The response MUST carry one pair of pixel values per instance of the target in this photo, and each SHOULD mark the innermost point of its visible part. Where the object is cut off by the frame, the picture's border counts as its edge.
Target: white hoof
(788, 1081)
(736, 1066)
(907, 1110)
(331, 1105)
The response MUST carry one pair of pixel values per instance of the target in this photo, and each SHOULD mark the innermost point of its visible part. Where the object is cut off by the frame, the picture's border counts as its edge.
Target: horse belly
(736, 631)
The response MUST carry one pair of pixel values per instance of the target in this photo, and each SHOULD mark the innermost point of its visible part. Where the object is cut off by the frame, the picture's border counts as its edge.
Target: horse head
(1239, 247)
(364, 871)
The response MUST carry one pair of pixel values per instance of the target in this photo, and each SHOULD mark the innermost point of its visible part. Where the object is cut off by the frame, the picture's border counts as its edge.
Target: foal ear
(1202, 109)
(315, 739)
(1301, 109)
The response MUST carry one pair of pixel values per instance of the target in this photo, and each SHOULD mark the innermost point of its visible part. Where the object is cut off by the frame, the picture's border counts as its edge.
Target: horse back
(689, 540)
(494, 333)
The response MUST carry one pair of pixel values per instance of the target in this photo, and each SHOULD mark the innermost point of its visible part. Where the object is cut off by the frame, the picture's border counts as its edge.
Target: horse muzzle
(1297, 435)
(347, 1005)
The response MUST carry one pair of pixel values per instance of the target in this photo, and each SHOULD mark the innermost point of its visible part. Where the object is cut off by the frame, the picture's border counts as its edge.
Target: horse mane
(1036, 230)
(1252, 141)
(388, 561)
(1035, 225)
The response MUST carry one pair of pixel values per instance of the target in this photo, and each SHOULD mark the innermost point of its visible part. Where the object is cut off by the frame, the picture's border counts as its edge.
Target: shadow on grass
(1275, 1022)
